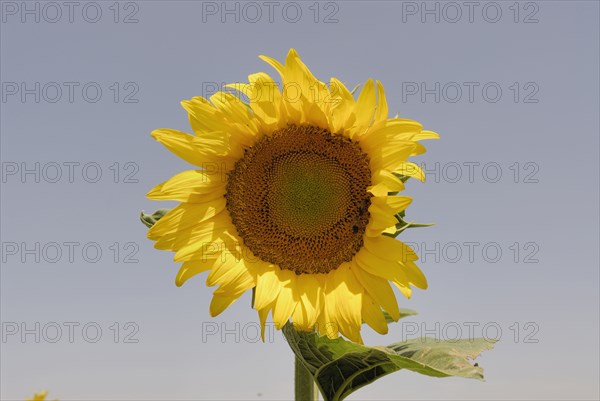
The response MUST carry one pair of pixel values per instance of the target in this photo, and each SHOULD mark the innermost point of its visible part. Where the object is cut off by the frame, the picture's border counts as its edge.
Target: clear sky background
(512, 88)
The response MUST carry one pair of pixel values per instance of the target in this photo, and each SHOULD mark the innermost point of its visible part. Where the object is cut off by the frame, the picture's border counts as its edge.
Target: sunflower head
(294, 195)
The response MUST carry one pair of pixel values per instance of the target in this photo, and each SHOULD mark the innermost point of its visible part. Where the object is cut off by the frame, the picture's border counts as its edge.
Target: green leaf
(403, 225)
(150, 219)
(403, 313)
(340, 367)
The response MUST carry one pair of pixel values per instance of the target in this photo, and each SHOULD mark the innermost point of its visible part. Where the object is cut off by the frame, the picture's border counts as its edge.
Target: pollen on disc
(298, 199)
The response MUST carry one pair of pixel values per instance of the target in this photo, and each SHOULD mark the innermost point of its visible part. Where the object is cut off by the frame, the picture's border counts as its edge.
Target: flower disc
(299, 199)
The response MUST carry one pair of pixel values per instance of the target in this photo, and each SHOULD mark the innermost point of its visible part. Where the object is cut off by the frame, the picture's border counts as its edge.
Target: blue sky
(512, 187)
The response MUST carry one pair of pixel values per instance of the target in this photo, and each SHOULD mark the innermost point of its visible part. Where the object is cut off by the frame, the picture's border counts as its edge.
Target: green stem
(306, 388)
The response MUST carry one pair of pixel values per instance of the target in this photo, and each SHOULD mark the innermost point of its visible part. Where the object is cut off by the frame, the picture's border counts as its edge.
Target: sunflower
(41, 396)
(295, 198)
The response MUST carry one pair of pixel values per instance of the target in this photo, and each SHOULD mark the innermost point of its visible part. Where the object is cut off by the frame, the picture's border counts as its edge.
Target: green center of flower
(299, 199)
(309, 194)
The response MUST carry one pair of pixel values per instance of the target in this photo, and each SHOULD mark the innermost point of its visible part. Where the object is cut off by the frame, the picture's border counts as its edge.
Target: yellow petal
(243, 125)
(262, 315)
(41, 396)
(268, 286)
(193, 186)
(382, 107)
(300, 318)
(415, 275)
(264, 98)
(394, 202)
(365, 108)
(201, 151)
(328, 321)
(273, 63)
(206, 118)
(307, 310)
(379, 289)
(390, 249)
(390, 158)
(393, 155)
(342, 106)
(220, 302)
(313, 92)
(183, 216)
(382, 210)
(410, 169)
(373, 316)
(239, 284)
(191, 268)
(291, 91)
(228, 268)
(386, 269)
(385, 182)
(201, 235)
(397, 129)
(426, 135)
(346, 294)
(382, 217)
(208, 238)
(286, 300)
